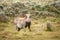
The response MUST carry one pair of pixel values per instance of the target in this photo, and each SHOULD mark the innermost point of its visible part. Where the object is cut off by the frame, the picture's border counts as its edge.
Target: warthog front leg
(28, 24)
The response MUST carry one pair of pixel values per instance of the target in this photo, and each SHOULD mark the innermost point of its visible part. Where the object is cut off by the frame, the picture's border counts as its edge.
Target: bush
(3, 18)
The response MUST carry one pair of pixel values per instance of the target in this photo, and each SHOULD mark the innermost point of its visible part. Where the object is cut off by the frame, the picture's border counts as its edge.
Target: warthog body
(20, 23)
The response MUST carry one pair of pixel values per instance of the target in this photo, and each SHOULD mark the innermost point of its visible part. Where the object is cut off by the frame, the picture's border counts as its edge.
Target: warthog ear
(25, 16)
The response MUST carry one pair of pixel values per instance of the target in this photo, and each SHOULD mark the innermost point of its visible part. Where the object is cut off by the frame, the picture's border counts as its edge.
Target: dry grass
(37, 33)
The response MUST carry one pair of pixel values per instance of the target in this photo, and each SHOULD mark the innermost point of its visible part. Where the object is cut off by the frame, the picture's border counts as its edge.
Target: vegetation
(40, 15)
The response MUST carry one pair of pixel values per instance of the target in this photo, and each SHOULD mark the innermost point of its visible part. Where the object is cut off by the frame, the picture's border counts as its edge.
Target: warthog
(23, 22)
(47, 25)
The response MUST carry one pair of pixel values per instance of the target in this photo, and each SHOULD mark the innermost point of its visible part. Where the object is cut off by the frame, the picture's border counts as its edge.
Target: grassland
(8, 31)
